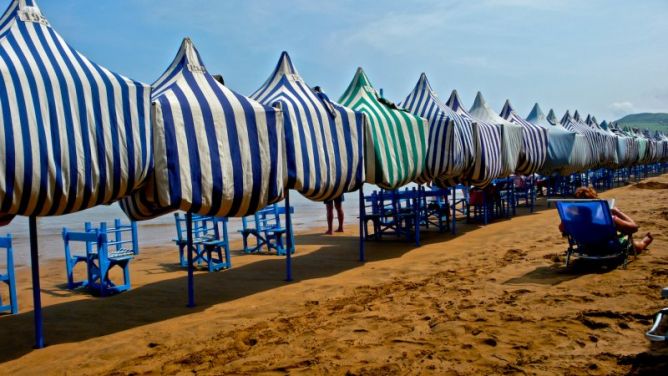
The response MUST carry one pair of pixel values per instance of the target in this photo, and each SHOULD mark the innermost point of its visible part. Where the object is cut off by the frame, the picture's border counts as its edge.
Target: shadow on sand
(71, 321)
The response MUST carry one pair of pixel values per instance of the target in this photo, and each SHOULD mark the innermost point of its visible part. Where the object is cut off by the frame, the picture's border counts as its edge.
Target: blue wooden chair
(267, 229)
(210, 244)
(101, 255)
(435, 208)
(72, 259)
(8, 278)
(591, 231)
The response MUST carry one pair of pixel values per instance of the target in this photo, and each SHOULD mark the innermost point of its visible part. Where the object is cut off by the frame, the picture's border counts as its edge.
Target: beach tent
(593, 139)
(485, 140)
(581, 156)
(627, 147)
(662, 141)
(534, 142)
(216, 152)
(323, 140)
(653, 156)
(450, 152)
(511, 135)
(74, 134)
(395, 140)
(559, 142)
(605, 143)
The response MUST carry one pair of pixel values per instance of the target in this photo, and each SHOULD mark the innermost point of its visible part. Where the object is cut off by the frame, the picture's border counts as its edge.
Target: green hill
(656, 121)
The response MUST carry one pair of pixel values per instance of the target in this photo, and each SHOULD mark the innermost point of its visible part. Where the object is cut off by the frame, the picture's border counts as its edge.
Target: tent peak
(285, 65)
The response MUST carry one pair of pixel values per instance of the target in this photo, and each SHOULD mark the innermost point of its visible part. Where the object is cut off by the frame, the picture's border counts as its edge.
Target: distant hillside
(646, 121)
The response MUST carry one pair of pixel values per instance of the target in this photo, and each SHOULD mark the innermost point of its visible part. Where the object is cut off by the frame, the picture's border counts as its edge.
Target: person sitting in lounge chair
(623, 223)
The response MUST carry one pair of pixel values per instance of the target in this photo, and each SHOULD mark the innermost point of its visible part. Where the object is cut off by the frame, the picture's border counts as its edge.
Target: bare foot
(641, 245)
(339, 229)
(329, 232)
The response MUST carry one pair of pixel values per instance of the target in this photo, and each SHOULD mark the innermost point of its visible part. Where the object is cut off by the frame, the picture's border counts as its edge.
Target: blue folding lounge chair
(591, 232)
(8, 278)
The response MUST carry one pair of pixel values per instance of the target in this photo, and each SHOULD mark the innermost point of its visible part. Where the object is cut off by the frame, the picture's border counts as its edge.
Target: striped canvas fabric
(450, 154)
(560, 142)
(216, 152)
(323, 140)
(627, 147)
(395, 140)
(534, 142)
(581, 156)
(74, 134)
(511, 140)
(603, 145)
(485, 140)
(594, 141)
(611, 143)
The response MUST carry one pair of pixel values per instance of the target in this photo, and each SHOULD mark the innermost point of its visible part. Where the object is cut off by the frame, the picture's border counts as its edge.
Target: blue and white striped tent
(604, 145)
(581, 156)
(534, 142)
(74, 134)
(323, 140)
(511, 134)
(450, 152)
(595, 157)
(627, 147)
(485, 140)
(215, 152)
(560, 142)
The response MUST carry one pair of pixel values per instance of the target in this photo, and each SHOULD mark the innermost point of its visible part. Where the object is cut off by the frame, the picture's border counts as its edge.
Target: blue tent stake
(36, 289)
(189, 245)
(288, 224)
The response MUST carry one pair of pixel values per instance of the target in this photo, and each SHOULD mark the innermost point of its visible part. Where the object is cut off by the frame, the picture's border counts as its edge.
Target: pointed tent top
(454, 101)
(187, 58)
(507, 109)
(285, 65)
(361, 78)
(604, 124)
(482, 111)
(576, 116)
(567, 117)
(552, 117)
(536, 113)
(21, 10)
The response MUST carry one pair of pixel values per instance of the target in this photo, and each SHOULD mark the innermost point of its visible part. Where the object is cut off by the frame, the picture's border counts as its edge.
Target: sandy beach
(490, 300)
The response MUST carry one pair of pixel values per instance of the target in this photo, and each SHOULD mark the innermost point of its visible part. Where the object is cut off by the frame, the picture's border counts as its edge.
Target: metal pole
(362, 224)
(288, 224)
(454, 208)
(189, 245)
(36, 289)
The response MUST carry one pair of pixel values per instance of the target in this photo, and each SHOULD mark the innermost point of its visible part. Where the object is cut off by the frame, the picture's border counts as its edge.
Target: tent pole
(362, 223)
(454, 208)
(36, 289)
(189, 245)
(288, 251)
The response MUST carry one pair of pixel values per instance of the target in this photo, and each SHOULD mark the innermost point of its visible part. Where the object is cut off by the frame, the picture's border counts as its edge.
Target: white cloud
(622, 108)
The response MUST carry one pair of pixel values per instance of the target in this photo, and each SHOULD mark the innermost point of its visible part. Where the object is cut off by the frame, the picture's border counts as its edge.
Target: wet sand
(491, 300)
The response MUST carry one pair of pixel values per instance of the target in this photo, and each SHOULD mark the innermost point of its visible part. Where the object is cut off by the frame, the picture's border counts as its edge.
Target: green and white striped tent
(395, 140)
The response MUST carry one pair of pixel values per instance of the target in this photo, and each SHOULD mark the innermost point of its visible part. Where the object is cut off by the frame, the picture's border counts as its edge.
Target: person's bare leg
(339, 216)
(330, 217)
(641, 245)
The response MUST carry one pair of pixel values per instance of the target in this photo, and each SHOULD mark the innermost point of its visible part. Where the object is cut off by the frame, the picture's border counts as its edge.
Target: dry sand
(491, 300)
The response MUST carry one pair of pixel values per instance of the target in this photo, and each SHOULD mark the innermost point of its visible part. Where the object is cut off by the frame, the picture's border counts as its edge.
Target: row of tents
(76, 135)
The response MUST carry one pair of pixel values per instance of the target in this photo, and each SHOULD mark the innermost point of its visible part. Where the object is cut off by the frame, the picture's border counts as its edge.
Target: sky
(604, 57)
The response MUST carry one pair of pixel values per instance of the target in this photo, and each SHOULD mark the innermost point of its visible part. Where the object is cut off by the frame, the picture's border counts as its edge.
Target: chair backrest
(587, 221)
(6, 243)
(115, 236)
(202, 226)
